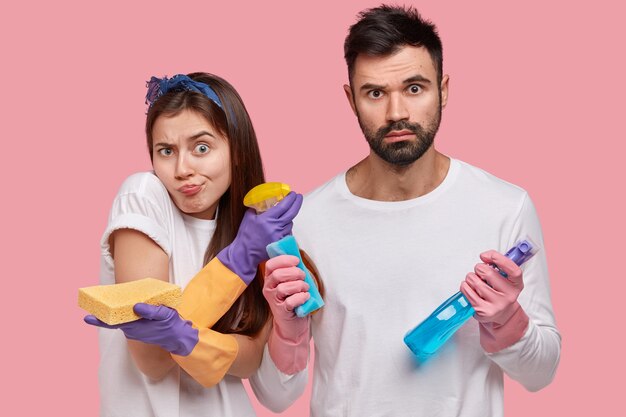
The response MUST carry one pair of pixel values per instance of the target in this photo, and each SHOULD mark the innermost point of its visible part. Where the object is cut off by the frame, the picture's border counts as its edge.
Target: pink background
(536, 97)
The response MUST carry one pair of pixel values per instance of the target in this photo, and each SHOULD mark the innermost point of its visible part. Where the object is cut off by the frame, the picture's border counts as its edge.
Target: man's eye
(375, 94)
(414, 89)
(202, 148)
(166, 151)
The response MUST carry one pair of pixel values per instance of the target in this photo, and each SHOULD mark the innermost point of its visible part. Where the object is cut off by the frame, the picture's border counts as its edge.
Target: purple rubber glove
(256, 231)
(159, 325)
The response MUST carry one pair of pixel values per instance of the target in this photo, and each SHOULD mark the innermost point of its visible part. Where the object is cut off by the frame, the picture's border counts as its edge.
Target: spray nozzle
(266, 195)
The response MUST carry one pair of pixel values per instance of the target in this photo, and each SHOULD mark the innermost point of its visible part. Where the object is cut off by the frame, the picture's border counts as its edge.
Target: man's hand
(285, 289)
(494, 297)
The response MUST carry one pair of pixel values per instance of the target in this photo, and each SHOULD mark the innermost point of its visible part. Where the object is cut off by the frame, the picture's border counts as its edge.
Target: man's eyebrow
(417, 78)
(370, 86)
(413, 79)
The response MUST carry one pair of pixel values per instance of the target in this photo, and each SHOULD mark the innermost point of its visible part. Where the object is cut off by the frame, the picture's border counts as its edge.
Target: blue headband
(159, 86)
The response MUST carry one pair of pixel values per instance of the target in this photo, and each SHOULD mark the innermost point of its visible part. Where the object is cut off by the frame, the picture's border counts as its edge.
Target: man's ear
(444, 90)
(348, 90)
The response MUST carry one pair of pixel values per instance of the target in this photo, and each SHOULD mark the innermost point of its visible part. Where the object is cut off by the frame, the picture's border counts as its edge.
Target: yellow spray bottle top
(266, 195)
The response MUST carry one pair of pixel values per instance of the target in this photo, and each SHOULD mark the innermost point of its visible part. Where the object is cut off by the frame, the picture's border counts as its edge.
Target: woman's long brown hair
(250, 312)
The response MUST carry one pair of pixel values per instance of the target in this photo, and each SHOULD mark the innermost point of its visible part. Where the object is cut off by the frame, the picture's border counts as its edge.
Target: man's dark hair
(385, 29)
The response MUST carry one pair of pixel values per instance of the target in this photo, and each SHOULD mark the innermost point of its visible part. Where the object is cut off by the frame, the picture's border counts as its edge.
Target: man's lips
(399, 135)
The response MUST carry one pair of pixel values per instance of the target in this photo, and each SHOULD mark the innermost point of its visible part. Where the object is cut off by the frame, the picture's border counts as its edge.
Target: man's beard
(404, 152)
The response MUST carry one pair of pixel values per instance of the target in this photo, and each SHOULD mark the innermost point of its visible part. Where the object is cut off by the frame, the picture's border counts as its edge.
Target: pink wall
(536, 97)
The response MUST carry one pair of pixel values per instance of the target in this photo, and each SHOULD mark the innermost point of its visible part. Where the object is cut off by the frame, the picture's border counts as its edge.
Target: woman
(167, 225)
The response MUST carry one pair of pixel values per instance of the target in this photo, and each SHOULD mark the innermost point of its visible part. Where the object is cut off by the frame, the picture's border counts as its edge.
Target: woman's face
(192, 160)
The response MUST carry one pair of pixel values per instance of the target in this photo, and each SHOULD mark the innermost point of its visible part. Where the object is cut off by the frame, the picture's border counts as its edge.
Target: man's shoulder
(319, 203)
(477, 180)
(323, 193)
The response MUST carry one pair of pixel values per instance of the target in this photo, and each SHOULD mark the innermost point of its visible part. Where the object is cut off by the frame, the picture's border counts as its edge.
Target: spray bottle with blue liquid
(431, 334)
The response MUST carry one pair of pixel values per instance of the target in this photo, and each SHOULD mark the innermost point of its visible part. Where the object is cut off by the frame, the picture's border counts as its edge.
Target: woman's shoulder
(142, 203)
(144, 184)
(143, 192)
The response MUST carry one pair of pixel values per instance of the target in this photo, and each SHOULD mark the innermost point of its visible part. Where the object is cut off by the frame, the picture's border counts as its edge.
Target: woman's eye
(165, 151)
(375, 94)
(414, 89)
(202, 148)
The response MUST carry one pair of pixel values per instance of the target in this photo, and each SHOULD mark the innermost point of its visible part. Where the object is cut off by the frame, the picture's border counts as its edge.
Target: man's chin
(398, 160)
(399, 153)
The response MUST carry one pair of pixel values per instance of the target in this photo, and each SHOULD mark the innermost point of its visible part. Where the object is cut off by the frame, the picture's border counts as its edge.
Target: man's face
(398, 103)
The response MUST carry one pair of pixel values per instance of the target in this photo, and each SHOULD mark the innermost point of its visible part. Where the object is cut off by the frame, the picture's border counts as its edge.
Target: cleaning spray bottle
(426, 339)
(261, 198)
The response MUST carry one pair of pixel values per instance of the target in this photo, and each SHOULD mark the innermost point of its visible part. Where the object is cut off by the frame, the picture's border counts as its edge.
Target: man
(394, 236)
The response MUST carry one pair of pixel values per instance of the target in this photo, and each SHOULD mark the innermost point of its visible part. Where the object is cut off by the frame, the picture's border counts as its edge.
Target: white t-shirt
(144, 204)
(387, 265)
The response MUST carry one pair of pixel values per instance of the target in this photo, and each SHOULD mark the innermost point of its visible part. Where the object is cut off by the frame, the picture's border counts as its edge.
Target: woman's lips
(190, 190)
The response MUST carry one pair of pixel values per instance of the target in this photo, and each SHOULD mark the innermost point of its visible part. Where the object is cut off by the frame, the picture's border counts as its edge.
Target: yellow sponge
(113, 304)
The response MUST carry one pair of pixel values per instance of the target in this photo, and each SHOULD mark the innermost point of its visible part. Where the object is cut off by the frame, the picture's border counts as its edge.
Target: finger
(471, 280)
(284, 275)
(94, 321)
(504, 264)
(293, 210)
(281, 261)
(473, 298)
(296, 300)
(248, 215)
(492, 277)
(487, 272)
(481, 288)
(287, 289)
(282, 207)
(293, 273)
(497, 282)
(150, 312)
(287, 229)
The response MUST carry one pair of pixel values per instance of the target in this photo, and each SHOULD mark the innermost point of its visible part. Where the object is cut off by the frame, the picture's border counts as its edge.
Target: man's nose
(397, 108)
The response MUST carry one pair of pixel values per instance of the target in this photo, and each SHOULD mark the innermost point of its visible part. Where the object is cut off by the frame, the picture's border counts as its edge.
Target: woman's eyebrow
(200, 134)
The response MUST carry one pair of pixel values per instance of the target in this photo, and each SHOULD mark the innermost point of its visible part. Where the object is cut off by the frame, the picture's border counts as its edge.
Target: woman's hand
(158, 325)
(256, 231)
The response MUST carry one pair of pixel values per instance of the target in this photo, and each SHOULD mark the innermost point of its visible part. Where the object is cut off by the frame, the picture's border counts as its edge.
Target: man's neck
(375, 179)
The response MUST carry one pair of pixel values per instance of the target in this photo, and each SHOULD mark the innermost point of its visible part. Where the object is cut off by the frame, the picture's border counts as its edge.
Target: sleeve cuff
(211, 358)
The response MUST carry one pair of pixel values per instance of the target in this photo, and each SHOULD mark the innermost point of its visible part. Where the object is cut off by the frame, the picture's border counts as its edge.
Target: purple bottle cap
(522, 251)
